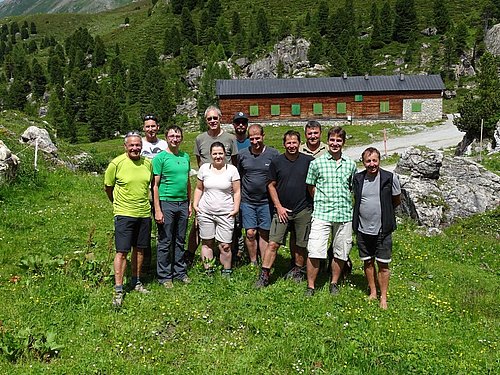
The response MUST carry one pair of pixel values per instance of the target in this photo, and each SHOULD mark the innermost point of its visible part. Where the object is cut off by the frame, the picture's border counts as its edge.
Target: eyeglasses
(132, 133)
(213, 118)
(150, 117)
(245, 123)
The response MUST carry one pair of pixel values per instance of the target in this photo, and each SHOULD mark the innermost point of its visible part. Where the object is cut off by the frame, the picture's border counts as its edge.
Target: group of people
(306, 192)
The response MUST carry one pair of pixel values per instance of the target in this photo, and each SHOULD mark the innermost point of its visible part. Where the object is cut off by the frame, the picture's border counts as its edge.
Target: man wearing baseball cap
(240, 123)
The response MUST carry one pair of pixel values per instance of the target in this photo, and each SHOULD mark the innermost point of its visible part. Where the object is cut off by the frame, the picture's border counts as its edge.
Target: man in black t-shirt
(293, 206)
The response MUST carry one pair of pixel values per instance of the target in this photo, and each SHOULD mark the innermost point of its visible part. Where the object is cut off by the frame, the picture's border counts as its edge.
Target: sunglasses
(132, 133)
(150, 117)
(213, 118)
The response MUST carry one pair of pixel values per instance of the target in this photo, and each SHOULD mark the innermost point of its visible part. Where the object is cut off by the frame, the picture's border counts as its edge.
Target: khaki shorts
(301, 222)
(219, 227)
(318, 239)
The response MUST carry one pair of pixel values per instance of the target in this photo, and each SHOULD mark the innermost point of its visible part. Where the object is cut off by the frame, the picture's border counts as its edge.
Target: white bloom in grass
(328, 314)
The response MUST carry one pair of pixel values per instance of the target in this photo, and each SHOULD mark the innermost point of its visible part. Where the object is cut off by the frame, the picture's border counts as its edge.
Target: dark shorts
(132, 232)
(301, 224)
(255, 216)
(378, 247)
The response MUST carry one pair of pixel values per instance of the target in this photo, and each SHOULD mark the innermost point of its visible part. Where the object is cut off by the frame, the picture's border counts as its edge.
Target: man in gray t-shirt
(214, 134)
(376, 193)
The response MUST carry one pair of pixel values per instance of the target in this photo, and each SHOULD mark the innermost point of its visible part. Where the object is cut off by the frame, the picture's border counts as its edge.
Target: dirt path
(437, 137)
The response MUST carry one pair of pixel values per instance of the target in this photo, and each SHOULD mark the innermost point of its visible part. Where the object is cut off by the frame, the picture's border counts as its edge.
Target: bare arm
(190, 207)
(198, 191)
(396, 200)
(234, 160)
(156, 200)
(281, 211)
(109, 192)
(311, 189)
(236, 198)
(198, 160)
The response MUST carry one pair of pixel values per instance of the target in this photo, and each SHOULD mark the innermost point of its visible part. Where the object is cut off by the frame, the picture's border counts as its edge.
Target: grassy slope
(443, 316)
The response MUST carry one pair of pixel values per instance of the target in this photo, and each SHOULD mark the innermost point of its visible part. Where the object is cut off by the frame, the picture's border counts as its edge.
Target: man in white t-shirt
(151, 146)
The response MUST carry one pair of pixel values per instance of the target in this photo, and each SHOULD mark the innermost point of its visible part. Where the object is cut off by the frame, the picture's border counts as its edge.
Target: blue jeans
(171, 240)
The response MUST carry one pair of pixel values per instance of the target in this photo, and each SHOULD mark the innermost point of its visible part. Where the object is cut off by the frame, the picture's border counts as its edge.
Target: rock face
(437, 190)
(291, 52)
(496, 137)
(8, 163)
(492, 40)
(45, 144)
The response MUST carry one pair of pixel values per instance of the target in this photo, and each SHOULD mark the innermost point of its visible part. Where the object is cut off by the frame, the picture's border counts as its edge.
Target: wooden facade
(329, 98)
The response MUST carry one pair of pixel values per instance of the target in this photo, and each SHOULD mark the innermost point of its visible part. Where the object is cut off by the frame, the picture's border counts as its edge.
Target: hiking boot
(140, 288)
(347, 269)
(168, 284)
(292, 274)
(309, 292)
(299, 276)
(334, 289)
(189, 258)
(186, 280)
(226, 273)
(117, 299)
(263, 281)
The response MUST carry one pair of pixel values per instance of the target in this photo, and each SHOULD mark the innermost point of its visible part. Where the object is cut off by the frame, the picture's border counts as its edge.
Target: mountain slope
(19, 7)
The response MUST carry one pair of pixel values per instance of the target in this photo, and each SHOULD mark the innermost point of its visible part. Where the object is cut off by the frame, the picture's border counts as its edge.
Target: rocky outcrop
(290, 52)
(492, 40)
(8, 163)
(437, 190)
(32, 135)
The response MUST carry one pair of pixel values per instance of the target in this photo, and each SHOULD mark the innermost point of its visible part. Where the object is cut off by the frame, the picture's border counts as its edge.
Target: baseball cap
(240, 116)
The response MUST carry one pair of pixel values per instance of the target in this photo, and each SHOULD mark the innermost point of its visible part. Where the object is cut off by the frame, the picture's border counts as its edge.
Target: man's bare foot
(383, 304)
(372, 297)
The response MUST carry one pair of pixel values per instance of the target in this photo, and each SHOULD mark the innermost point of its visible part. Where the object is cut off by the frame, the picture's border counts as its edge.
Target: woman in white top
(216, 202)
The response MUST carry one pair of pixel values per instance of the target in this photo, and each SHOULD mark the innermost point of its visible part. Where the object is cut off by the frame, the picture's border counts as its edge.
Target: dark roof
(359, 84)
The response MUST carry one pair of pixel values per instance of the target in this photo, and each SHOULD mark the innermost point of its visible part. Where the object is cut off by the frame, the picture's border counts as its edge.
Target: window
(295, 109)
(275, 110)
(416, 107)
(254, 110)
(358, 98)
(318, 108)
(341, 108)
(384, 107)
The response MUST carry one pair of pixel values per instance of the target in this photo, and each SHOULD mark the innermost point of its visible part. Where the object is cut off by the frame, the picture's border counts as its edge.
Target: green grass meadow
(56, 250)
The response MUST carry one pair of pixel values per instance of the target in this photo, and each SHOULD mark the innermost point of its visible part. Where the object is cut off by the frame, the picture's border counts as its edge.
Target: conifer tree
(24, 33)
(38, 80)
(55, 69)
(405, 20)
(99, 56)
(214, 9)
(222, 36)
(206, 34)
(172, 42)
(386, 22)
(188, 28)
(32, 47)
(33, 28)
(316, 49)
(14, 28)
(338, 65)
(322, 15)
(235, 23)
(263, 26)
(189, 59)
(442, 19)
(482, 103)
(134, 83)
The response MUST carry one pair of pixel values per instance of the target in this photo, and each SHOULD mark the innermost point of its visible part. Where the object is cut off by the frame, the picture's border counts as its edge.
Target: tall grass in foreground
(56, 316)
